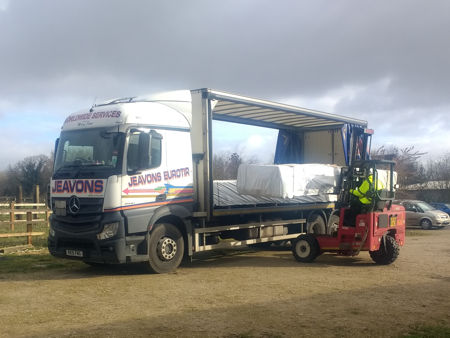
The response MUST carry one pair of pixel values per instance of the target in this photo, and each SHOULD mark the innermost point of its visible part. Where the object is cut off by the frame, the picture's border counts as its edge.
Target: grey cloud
(258, 47)
(73, 51)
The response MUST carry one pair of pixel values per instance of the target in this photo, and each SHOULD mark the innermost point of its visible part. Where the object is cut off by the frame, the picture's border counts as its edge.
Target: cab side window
(133, 153)
(155, 150)
(144, 151)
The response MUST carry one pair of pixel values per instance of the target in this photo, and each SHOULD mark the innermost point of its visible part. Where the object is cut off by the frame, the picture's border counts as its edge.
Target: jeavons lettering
(78, 186)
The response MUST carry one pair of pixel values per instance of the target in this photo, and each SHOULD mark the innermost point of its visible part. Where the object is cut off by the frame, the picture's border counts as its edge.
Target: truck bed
(226, 196)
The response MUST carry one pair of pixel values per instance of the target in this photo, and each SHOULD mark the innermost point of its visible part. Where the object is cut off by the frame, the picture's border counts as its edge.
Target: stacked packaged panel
(287, 180)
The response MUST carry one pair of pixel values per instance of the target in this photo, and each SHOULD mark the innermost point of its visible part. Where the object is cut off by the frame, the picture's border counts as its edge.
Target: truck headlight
(109, 230)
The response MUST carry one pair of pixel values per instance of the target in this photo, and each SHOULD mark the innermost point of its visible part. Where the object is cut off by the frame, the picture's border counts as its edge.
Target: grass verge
(26, 263)
(429, 331)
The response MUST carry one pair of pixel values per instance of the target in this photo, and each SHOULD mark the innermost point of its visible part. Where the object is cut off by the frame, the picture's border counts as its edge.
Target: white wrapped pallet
(314, 179)
(385, 178)
(287, 180)
(265, 180)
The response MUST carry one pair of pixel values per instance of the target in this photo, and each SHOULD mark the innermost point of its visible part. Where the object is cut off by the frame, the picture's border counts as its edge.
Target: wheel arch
(177, 215)
(391, 232)
(426, 218)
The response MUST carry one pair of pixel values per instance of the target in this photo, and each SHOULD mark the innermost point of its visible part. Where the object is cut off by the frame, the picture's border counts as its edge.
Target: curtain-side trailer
(133, 178)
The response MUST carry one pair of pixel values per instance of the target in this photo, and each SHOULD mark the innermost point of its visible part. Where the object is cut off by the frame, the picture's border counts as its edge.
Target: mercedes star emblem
(74, 205)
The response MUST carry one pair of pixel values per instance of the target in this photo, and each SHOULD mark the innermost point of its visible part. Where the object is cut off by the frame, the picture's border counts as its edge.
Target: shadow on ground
(362, 312)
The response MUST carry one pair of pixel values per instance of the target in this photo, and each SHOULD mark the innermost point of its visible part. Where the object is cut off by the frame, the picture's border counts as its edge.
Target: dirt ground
(237, 294)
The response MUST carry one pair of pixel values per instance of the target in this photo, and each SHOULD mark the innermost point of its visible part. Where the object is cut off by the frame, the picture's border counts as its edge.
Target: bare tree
(31, 171)
(225, 166)
(408, 166)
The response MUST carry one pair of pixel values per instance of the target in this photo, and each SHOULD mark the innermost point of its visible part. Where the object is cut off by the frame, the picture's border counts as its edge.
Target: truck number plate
(60, 208)
(60, 204)
(75, 253)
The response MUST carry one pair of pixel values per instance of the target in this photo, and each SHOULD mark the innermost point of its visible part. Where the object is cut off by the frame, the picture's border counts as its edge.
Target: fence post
(20, 200)
(11, 216)
(47, 217)
(29, 225)
(36, 199)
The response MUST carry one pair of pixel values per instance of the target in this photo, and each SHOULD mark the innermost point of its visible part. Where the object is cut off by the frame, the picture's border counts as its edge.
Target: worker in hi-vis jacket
(364, 192)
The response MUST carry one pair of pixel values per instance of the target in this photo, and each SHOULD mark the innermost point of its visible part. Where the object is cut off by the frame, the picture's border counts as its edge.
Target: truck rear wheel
(387, 253)
(333, 223)
(165, 248)
(316, 225)
(305, 248)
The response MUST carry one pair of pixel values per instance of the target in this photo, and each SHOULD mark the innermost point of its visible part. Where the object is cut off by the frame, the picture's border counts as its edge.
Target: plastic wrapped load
(287, 180)
(315, 179)
(385, 177)
(265, 180)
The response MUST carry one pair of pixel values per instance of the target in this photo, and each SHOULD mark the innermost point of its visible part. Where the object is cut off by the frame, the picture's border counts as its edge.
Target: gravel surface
(244, 293)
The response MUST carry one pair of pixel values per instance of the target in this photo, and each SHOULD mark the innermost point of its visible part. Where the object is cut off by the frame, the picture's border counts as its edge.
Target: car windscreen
(425, 206)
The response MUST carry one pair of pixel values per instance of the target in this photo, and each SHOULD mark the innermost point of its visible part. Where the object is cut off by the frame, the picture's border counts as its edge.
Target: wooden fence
(16, 212)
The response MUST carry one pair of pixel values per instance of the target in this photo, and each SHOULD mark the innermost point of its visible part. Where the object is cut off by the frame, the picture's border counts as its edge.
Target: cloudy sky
(387, 62)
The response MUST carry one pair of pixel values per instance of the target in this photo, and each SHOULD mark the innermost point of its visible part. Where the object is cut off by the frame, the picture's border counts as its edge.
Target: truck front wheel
(165, 248)
(387, 253)
(305, 248)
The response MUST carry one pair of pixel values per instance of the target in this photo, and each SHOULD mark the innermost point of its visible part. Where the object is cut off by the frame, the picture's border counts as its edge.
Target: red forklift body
(366, 232)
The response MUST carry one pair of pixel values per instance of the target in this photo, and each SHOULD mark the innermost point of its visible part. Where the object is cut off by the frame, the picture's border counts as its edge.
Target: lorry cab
(112, 167)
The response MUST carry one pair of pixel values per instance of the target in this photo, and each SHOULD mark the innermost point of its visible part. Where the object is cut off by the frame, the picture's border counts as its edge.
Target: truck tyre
(165, 248)
(426, 224)
(316, 225)
(305, 248)
(387, 253)
(333, 223)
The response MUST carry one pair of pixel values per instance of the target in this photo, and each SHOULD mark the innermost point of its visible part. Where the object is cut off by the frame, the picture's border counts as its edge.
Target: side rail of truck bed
(265, 232)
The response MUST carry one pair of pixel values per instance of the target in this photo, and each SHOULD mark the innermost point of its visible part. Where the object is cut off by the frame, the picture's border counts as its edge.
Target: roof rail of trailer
(246, 110)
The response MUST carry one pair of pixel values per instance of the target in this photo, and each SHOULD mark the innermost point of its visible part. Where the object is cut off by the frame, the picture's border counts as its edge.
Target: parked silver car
(423, 214)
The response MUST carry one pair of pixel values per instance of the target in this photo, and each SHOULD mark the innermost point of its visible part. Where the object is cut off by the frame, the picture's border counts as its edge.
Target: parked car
(423, 214)
(445, 207)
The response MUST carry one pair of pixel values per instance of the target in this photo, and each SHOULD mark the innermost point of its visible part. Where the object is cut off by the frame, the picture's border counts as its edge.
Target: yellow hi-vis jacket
(363, 189)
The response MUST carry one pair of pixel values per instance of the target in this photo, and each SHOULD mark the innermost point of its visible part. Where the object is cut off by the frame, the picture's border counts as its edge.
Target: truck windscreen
(89, 153)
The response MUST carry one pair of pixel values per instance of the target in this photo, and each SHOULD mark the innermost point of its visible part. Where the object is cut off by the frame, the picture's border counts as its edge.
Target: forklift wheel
(387, 253)
(305, 248)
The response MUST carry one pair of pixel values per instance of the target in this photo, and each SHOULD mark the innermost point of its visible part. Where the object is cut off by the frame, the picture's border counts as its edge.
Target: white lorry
(132, 178)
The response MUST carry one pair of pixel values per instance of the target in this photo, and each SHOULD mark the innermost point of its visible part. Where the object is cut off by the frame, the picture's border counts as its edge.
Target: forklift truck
(378, 227)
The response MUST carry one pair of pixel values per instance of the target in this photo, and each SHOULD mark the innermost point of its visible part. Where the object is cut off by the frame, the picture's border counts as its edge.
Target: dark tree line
(429, 181)
(27, 173)
(36, 170)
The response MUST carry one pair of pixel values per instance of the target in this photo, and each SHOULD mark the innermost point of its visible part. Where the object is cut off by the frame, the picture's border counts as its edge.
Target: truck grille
(88, 218)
